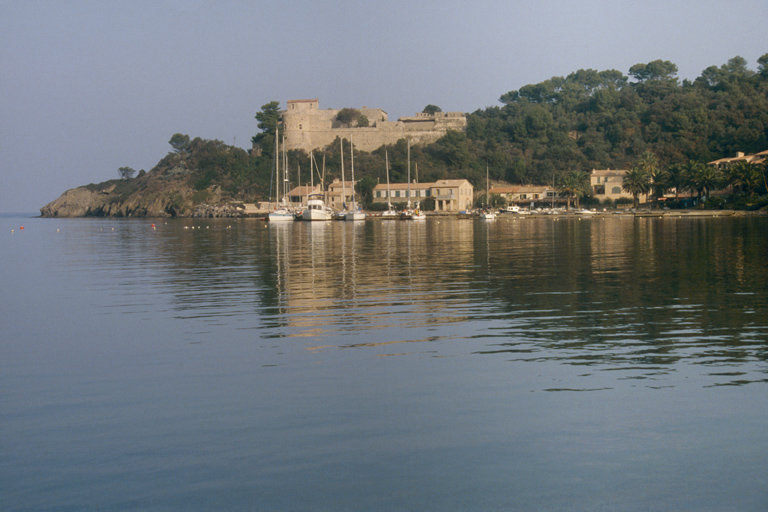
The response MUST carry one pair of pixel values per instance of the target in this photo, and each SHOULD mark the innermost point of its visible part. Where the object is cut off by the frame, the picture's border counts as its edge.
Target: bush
(715, 203)
(200, 196)
(378, 207)
(589, 201)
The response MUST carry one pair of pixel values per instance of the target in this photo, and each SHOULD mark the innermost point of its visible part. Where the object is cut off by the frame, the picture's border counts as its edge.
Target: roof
(404, 186)
(450, 183)
(337, 184)
(303, 101)
(608, 172)
(303, 190)
(743, 158)
(519, 189)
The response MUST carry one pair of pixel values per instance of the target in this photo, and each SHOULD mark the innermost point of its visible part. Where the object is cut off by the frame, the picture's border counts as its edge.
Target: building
(453, 195)
(526, 195)
(307, 127)
(339, 193)
(723, 163)
(449, 195)
(607, 184)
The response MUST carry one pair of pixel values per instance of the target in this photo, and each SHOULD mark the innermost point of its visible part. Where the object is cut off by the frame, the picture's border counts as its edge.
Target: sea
(526, 363)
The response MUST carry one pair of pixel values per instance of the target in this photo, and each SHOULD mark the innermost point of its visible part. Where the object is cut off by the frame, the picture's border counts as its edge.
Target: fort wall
(307, 127)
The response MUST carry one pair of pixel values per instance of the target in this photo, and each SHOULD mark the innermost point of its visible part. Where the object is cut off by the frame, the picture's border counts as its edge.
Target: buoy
(57, 230)
(21, 227)
(153, 226)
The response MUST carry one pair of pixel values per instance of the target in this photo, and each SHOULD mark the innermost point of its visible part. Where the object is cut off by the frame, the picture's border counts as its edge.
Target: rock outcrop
(185, 183)
(146, 196)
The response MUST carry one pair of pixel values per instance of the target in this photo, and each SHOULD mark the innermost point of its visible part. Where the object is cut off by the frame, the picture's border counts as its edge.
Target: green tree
(637, 181)
(431, 109)
(347, 116)
(762, 65)
(703, 178)
(676, 178)
(269, 117)
(179, 143)
(575, 184)
(126, 173)
(656, 70)
(745, 177)
(364, 188)
(268, 120)
(649, 164)
(362, 121)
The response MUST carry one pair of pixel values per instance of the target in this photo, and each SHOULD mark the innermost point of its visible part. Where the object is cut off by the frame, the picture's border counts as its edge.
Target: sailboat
(410, 214)
(282, 213)
(355, 213)
(488, 213)
(390, 213)
(316, 208)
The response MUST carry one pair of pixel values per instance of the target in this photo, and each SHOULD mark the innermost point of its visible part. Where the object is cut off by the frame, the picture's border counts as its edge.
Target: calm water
(603, 364)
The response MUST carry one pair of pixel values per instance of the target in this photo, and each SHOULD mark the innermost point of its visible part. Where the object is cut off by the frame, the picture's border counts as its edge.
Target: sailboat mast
(311, 176)
(487, 188)
(409, 173)
(343, 189)
(285, 171)
(386, 166)
(352, 163)
(277, 167)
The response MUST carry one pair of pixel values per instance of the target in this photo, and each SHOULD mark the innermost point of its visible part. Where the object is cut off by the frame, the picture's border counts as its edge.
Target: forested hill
(604, 119)
(588, 119)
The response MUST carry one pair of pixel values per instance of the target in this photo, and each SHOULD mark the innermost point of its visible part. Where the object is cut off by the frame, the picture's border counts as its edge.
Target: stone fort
(307, 127)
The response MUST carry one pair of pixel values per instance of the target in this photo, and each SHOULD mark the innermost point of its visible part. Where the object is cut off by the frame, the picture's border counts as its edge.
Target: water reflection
(639, 298)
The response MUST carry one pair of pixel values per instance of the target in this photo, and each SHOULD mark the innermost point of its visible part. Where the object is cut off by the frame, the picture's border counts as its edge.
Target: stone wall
(307, 127)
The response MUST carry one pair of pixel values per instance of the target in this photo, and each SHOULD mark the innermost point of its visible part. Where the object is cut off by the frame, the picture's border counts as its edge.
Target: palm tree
(658, 177)
(659, 183)
(746, 177)
(676, 178)
(575, 183)
(637, 181)
(691, 170)
(705, 178)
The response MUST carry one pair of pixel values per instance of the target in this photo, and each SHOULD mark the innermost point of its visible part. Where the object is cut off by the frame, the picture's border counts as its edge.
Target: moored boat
(316, 209)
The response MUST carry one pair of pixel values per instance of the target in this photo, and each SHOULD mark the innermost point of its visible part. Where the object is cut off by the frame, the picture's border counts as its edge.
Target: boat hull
(281, 216)
(354, 216)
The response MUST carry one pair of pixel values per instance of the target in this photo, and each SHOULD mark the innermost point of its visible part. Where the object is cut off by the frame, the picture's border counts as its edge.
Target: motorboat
(317, 209)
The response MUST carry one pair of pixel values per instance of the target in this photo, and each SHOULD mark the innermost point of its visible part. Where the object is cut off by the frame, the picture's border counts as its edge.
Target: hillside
(587, 119)
(203, 172)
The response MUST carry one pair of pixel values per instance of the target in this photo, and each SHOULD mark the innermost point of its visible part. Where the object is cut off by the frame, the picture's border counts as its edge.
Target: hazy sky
(87, 87)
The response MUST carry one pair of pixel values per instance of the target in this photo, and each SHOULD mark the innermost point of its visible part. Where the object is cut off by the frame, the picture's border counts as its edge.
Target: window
(378, 193)
(616, 190)
(397, 193)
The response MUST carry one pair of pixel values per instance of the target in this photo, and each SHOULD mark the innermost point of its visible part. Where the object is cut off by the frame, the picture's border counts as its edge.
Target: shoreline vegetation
(658, 128)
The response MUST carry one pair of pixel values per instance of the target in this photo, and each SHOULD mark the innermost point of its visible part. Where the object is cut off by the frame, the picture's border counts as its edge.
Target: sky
(87, 87)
